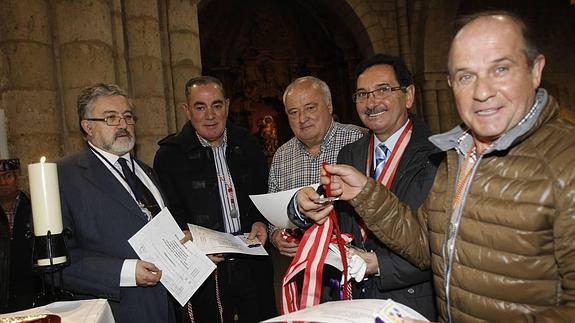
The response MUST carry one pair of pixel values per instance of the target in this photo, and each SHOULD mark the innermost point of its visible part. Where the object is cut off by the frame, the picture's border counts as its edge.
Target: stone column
(430, 106)
(146, 74)
(185, 59)
(28, 90)
(85, 52)
(403, 34)
(439, 110)
(448, 115)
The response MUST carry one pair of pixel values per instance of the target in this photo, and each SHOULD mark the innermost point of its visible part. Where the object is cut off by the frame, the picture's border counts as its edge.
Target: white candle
(45, 196)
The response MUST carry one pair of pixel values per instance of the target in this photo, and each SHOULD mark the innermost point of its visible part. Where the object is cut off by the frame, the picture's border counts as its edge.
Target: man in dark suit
(395, 152)
(208, 170)
(103, 211)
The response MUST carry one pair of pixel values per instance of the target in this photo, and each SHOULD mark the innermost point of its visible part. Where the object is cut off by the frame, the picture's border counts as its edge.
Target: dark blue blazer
(102, 216)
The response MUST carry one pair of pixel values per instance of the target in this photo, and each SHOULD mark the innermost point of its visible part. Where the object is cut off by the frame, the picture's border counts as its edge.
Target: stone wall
(50, 50)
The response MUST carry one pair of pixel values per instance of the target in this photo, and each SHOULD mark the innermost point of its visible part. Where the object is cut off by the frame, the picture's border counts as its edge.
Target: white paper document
(214, 242)
(273, 206)
(85, 311)
(184, 266)
(353, 311)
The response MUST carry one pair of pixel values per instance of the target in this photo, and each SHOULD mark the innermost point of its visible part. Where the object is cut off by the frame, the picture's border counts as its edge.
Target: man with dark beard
(107, 195)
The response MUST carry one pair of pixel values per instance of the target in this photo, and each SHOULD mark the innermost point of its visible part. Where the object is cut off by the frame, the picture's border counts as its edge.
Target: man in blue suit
(103, 209)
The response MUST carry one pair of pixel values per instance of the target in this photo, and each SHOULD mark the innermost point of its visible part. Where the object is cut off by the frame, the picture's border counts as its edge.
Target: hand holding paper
(215, 242)
(183, 266)
(356, 268)
(259, 232)
(273, 206)
(147, 274)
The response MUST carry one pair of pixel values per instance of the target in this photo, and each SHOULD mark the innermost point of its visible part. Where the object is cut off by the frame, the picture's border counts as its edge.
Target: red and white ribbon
(310, 257)
(388, 174)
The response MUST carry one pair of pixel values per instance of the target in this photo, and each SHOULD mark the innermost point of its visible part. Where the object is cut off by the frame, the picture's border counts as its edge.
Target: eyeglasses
(115, 120)
(379, 93)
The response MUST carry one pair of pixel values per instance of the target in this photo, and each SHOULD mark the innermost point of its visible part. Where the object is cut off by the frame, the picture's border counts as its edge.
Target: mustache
(121, 133)
(375, 110)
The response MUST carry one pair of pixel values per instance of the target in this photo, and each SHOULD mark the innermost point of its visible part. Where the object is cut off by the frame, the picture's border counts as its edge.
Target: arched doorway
(257, 47)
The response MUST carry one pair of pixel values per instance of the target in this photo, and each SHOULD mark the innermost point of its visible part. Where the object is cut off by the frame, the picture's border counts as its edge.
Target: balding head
(503, 17)
(493, 79)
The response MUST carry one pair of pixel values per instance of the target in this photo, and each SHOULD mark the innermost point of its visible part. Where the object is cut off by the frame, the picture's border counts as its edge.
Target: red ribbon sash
(310, 256)
(388, 173)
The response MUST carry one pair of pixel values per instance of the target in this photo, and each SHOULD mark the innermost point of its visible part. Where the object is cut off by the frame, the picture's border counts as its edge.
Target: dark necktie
(142, 194)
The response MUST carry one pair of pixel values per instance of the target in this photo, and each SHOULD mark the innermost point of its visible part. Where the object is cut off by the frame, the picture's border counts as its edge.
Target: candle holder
(49, 257)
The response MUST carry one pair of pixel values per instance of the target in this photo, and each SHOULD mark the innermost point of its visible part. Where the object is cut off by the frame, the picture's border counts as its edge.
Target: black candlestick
(51, 247)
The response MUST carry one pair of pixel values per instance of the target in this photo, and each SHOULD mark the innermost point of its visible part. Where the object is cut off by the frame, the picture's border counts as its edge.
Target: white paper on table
(86, 311)
(353, 311)
(273, 206)
(184, 266)
(212, 242)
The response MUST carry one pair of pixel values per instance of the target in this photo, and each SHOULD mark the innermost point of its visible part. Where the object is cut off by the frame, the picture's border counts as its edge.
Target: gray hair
(90, 94)
(321, 84)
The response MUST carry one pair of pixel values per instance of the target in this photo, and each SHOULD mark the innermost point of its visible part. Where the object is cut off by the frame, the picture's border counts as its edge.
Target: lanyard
(112, 165)
(229, 188)
(141, 204)
(388, 173)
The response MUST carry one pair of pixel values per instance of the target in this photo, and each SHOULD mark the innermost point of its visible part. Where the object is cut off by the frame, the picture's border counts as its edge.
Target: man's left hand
(259, 231)
(187, 237)
(370, 259)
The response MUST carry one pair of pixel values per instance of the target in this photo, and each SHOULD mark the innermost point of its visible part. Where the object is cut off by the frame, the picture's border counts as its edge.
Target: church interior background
(51, 49)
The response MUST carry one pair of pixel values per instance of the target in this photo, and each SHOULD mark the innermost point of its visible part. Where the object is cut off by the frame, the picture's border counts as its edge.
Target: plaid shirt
(293, 166)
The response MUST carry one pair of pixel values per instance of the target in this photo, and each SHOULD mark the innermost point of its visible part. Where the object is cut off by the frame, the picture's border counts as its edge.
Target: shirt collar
(110, 157)
(392, 140)
(206, 143)
(460, 137)
(329, 134)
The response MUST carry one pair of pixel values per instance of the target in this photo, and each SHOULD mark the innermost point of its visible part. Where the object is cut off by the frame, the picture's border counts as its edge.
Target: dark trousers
(245, 289)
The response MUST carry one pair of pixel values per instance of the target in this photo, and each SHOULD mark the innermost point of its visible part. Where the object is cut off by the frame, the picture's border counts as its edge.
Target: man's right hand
(147, 274)
(306, 203)
(286, 248)
(216, 258)
(344, 181)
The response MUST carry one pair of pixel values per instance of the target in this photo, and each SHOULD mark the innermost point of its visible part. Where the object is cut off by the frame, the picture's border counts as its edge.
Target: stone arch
(245, 41)
(369, 18)
(436, 104)
(551, 21)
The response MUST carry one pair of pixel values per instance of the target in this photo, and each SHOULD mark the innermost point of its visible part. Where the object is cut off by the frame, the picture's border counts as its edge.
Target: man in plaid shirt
(296, 163)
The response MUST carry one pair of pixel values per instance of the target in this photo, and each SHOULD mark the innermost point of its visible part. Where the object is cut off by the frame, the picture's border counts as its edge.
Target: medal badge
(145, 210)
